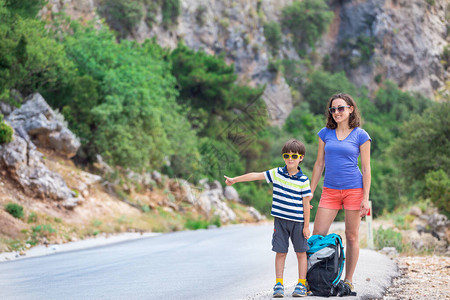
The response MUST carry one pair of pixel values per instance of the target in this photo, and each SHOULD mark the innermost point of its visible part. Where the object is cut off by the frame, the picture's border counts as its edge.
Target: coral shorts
(334, 199)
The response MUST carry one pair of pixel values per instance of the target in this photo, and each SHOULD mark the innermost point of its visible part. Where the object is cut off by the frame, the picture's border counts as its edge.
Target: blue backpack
(325, 264)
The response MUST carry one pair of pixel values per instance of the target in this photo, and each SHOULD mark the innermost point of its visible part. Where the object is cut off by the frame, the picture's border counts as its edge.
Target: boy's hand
(306, 232)
(229, 181)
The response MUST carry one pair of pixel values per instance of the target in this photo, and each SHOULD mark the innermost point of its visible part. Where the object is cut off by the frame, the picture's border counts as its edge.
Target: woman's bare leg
(352, 221)
(323, 220)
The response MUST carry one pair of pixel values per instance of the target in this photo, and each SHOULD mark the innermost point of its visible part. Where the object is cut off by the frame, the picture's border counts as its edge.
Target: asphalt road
(235, 262)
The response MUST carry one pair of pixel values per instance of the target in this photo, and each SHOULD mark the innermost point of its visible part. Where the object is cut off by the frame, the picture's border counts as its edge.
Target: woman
(340, 144)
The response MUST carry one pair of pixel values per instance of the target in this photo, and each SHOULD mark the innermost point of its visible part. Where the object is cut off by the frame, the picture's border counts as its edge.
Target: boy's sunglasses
(294, 156)
(339, 109)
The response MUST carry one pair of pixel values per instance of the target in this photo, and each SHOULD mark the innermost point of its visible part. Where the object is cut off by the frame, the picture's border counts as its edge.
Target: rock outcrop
(40, 123)
(35, 122)
(407, 38)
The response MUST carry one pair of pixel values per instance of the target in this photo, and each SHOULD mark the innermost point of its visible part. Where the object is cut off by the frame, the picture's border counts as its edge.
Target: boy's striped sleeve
(268, 177)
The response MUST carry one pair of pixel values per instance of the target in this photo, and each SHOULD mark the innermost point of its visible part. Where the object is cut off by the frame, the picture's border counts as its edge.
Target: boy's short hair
(294, 146)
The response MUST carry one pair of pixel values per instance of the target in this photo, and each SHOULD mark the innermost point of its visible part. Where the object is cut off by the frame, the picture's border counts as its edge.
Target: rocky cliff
(373, 40)
(407, 36)
(35, 123)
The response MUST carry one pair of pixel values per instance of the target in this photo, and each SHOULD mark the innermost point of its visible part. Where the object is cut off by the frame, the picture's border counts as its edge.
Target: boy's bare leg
(280, 258)
(302, 265)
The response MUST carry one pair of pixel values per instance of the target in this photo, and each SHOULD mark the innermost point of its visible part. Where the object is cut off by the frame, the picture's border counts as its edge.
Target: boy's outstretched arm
(246, 177)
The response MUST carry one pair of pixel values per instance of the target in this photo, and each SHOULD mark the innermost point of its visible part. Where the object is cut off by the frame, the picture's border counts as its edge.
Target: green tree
(423, 143)
(25, 8)
(322, 85)
(307, 20)
(397, 105)
(30, 58)
(389, 109)
(204, 80)
(122, 102)
(302, 123)
(208, 85)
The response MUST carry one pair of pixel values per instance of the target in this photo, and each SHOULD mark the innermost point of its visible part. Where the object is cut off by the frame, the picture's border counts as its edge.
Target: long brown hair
(354, 119)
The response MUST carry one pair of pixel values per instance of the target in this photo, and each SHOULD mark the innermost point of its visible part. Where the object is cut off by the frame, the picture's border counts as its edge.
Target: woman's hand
(364, 209)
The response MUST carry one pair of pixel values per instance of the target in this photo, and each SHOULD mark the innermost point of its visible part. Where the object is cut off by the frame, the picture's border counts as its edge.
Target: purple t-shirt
(341, 158)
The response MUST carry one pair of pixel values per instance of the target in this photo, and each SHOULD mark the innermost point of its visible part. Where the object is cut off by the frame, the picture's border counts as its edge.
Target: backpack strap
(341, 259)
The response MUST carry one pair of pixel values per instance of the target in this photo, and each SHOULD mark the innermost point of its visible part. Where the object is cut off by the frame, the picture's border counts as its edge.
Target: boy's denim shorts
(283, 229)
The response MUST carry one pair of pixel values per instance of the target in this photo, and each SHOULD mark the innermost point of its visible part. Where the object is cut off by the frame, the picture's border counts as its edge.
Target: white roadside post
(369, 227)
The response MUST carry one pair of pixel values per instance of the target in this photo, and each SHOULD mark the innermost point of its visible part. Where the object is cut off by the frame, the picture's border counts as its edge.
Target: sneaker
(300, 290)
(308, 289)
(345, 288)
(278, 290)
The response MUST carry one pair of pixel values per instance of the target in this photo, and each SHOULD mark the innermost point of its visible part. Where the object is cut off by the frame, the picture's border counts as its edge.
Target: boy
(290, 208)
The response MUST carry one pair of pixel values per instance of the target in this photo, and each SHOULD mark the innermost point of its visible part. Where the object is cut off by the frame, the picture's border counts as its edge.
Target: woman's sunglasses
(294, 156)
(339, 109)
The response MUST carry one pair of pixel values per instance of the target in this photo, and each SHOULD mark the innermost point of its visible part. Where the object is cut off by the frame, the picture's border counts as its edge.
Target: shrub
(378, 78)
(200, 12)
(196, 224)
(14, 210)
(295, 72)
(6, 132)
(307, 20)
(388, 238)
(272, 33)
(446, 57)
(32, 218)
(364, 44)
(122, 16)
(437, 188)
(43, 230)
(275, 66)
(40, 231)
(215, 221)
(326, 63)
(170, 11)
(257, 195)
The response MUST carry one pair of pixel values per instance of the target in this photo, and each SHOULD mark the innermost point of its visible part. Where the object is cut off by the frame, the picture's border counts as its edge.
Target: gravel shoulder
(422, 277)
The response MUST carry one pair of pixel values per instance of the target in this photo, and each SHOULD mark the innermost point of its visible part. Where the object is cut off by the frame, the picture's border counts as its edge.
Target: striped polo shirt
(288, 193)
